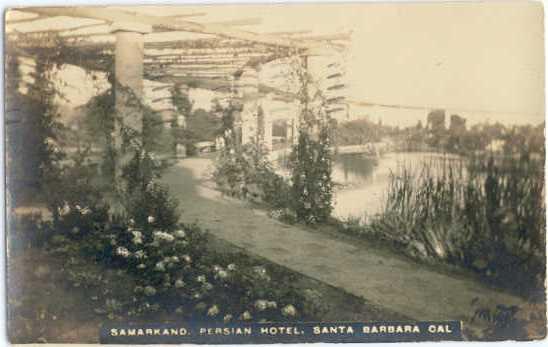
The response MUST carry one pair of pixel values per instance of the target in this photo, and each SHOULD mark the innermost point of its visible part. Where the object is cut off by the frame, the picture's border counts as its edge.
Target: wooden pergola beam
(155, 89)
(204, 65)
(59, 31)
(192, 57)
(24, 20)
(239, 22)
(112, 15)
(207, 61)
(289, 33)
(329, 37)
(208, 44)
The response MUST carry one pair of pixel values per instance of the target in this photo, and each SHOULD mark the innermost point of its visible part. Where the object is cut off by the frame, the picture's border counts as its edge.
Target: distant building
(205, 146)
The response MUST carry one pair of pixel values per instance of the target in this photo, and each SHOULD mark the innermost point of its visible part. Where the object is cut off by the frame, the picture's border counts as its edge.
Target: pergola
(224, 58)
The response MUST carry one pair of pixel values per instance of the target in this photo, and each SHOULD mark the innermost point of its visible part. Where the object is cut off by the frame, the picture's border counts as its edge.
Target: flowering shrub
(170, 267)
(169, 264)
(246, 173)
(312, 188)
(173, 271)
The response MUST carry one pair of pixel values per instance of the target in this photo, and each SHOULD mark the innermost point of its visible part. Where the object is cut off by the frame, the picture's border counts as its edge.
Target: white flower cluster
(261, 272)
(160, 266)
(150, 290)
(289, 311)
(172, 259)
(166, 263)
(276, 214)
(180, 234)
(220, 272)
(162, 236)
(137, 237)
(82, 210)
(123, 252)
(140, 254)
(179, 283)
(64, 210)
(246, 316)
(213, 311)
(262, 305)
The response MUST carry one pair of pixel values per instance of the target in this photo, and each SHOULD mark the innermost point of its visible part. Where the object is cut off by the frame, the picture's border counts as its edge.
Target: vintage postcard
(289, 173)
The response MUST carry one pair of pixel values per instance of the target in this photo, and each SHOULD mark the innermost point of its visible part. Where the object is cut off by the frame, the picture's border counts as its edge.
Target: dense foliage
(312, 188)
(358, 132)
(486, 215)
(32, 131)
(460, 139)
(246, 173)
(170, 267)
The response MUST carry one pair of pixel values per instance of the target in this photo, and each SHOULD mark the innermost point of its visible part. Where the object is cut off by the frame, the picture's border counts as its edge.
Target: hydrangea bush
(171, 267)
(173, 271)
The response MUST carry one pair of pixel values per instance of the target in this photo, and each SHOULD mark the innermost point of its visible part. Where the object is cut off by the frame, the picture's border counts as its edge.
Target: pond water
(362, 181)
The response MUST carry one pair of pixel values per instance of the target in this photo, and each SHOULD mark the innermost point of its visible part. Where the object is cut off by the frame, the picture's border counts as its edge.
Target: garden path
(383, 278)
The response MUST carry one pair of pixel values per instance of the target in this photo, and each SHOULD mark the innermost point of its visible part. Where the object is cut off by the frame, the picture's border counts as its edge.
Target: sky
(481, 60)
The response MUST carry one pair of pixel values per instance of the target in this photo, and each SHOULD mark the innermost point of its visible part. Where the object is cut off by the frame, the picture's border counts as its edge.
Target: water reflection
(362, 181)
(355, 168)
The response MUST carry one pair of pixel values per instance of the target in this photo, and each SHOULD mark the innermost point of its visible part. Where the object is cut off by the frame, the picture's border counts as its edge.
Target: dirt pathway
(385, 280)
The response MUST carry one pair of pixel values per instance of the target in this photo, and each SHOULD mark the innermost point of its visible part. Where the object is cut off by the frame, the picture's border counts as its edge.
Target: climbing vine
(181, 101)
(244, 171)
(36, 136)
(312, 188)
(310, 159)
(228, 132)
(184, 106)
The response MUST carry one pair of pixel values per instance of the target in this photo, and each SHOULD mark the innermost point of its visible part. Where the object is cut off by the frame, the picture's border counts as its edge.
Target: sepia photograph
(275, 173)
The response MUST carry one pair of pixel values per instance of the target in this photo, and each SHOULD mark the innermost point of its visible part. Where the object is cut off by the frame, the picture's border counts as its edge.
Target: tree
(436, 128)
(457, 130)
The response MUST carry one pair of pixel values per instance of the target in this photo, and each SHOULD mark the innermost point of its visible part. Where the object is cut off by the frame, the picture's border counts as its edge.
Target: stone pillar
(181, 118)
(248, 87)
(267, 133)
(293, 123)
(128, 88)
(293, 130)
(129, 75)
